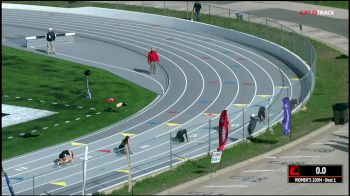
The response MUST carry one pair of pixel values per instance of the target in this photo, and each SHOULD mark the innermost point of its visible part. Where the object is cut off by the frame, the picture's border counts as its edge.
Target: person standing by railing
(197, 9)
(50, 38)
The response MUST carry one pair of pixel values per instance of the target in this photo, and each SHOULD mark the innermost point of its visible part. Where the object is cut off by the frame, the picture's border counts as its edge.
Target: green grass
(38, 77)
(331, 87)
(336, 4)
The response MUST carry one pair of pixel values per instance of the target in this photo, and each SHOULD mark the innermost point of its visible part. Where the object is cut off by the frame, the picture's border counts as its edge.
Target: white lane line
(287, 157)
(149, 157)
(153, 157)
(144, 146)
(144, 160)
(209, 106)
(316, 143)
(340, 131)
(181, 95)
(200, 141)
(259, 170)
(216, 117)
(226, 186)
(134, 116)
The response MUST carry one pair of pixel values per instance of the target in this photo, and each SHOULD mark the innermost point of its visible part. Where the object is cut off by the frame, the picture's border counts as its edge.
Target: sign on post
(216, 157)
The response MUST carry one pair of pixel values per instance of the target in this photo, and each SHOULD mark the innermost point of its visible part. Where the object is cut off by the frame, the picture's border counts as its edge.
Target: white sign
(216, 156)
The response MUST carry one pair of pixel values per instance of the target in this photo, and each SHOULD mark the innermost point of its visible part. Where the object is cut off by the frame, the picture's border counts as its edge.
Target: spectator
(50, 38)
(197, 9)
(252, 124)
(152, 60)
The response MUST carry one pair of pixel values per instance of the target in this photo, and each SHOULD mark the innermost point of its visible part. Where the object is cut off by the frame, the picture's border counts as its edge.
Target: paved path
(269, 175)
(330, 30)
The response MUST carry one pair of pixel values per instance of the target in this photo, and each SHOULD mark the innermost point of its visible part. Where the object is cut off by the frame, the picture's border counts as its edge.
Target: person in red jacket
(152, 60)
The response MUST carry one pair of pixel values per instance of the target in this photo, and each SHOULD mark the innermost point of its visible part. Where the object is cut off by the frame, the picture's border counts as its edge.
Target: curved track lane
(200, 74)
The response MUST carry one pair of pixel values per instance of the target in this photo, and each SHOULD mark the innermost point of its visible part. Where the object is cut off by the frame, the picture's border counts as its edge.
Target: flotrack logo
(317, 12)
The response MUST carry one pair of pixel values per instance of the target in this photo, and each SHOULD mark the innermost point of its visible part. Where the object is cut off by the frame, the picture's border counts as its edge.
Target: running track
(199, 74)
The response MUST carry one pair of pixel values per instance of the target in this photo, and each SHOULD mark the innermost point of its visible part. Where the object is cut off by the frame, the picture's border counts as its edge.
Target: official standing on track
(50, 38)
(152, 60)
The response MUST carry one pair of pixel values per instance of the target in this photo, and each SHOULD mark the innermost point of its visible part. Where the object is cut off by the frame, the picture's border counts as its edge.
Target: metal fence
(203, 136)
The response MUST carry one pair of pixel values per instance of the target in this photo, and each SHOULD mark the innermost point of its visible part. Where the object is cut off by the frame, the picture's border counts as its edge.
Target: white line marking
(287, 157)
(271, 157)
(193, 135)
(235, 125)
(199, 141)
(84, 157)
(21, 169)
(320, 143)
(259, 170)
(144, 146)
(340, 131)
(226, 186)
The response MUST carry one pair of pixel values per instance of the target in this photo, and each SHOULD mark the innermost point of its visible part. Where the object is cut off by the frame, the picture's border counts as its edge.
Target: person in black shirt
(65, 156)
(197, 8)
(50, 38)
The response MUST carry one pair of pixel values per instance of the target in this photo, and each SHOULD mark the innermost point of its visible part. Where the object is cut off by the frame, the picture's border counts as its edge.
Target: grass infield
(41, 78)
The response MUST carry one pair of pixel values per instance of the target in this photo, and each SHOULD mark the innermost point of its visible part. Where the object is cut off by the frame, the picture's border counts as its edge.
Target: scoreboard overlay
(315, 174)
